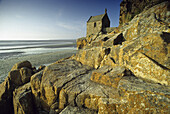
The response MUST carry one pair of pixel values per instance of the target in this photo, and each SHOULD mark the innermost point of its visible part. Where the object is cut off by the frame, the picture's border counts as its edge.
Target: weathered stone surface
(22, 100)
(91, 57)
(144, 34)
(25, 74)
(142, 46)
(18, 76)
(35, 87)
(76, 89)
(91, 96)
(48, 86)
(81, 42)
(109, 105)
(130, 8)
(108, 75)
(70, 84)
(22, 64)
(77, 110)
(54, 108)
(6, 105)
(149, 21)
(143, 67)
(151, 45)
(143, 97)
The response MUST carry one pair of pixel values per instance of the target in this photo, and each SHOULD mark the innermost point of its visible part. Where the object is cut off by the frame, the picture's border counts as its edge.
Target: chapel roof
(96, 18)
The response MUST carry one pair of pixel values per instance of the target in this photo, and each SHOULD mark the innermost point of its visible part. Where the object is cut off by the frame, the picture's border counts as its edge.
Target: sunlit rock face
(142, 45)
(130, 8)
(19, 75)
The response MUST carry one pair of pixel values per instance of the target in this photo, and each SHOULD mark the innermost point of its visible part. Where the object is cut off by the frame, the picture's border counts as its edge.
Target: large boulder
(22, 64)
(19, 75)
(23, 100)
(47, 85)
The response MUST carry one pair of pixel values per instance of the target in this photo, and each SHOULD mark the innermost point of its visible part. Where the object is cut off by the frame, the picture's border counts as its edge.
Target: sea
(13, 48)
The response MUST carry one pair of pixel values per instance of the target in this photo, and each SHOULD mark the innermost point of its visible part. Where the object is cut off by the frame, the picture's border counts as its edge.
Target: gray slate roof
(96, 18)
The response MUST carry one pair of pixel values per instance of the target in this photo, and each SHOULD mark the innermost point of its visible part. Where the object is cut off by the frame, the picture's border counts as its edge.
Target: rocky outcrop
(68, 86)
(130, 8)
(19, 75)
(81, 42)
(145, 35)
(59, 84)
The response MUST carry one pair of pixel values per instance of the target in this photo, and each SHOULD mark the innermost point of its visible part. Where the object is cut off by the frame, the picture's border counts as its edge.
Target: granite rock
(130, 8)
(77, 110)
(108, 75)
(23, 100)
(18, 76)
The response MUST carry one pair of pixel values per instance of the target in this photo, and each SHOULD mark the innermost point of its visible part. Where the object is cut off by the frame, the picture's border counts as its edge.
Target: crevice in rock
(98, 67)
(107, 51)
(128, 72)
(119, 39)
(59, 88)
(105, 39)
(78, 95)
(75, 78)
(113, 60)
(156, 62)
(158, 18)
(166, 37)
(108, 71)
(69, 88)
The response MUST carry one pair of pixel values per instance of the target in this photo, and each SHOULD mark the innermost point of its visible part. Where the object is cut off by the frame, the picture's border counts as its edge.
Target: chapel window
(95, 24)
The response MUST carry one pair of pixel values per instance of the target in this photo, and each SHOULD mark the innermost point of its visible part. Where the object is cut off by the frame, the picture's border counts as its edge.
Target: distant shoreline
(47, 46)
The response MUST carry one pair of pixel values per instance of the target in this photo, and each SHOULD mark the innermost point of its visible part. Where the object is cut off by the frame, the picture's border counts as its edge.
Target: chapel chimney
(105, 10)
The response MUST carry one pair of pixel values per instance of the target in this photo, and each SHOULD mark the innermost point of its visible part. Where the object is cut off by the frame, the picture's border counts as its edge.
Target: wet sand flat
(36, 60)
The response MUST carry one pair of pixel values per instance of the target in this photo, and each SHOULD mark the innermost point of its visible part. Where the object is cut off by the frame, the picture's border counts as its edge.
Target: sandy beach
(36, 60)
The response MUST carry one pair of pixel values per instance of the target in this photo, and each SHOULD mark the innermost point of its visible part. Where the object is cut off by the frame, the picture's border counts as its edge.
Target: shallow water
(13, 48)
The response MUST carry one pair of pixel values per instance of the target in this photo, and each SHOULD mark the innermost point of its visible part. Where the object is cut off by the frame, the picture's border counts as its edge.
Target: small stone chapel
(96, 24)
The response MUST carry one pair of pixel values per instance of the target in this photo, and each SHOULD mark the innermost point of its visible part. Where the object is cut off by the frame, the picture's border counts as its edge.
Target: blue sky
(51, 19)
